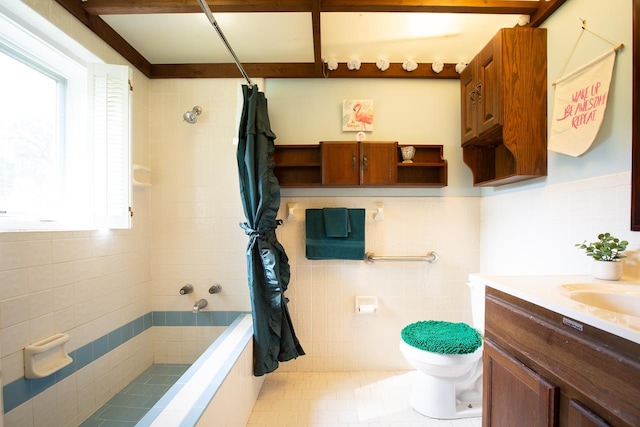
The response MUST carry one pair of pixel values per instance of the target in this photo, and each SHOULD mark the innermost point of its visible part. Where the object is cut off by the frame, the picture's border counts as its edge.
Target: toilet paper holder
(366, 304)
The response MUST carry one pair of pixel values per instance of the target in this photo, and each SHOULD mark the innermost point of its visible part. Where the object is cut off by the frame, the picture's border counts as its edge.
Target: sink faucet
(199, 305)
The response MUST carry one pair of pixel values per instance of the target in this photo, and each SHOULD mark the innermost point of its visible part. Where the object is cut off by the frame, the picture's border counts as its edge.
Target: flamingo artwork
(358, 115)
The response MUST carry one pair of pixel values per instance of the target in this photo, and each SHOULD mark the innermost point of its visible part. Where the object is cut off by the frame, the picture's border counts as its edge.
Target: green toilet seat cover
(442, 337)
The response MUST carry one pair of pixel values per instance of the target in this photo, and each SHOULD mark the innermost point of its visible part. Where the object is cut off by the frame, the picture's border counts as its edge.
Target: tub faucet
(199, 305)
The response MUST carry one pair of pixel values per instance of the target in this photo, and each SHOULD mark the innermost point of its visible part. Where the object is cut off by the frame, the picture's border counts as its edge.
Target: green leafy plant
(607, 248)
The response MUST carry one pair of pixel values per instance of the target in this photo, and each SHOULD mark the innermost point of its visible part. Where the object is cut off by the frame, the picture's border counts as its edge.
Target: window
(64, 133)
(31, 138)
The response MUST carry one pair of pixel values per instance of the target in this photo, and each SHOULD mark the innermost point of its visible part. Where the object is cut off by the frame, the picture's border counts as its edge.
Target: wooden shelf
(301, 166)
(298, 165)
(428, 169)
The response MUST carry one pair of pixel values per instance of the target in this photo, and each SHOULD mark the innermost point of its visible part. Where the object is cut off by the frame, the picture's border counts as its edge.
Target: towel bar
(431, 257)
(292, 211)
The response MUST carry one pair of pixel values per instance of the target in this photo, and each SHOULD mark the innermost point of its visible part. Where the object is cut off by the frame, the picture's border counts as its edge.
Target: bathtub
(220, 379)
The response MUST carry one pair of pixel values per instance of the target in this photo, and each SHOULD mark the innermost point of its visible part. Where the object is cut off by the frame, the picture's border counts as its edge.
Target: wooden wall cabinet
(358, 163)
(503, 99)
(538, 371)
(355, 164)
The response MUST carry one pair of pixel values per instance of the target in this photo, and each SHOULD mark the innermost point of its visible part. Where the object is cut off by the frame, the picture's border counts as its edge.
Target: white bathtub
(218, 389)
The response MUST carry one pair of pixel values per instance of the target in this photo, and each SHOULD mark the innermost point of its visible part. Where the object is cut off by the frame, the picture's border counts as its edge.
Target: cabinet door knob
(365, 163)
(353, 162)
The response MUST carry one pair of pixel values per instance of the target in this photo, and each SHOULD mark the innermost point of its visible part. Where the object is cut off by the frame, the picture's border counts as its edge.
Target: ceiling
(295, 38)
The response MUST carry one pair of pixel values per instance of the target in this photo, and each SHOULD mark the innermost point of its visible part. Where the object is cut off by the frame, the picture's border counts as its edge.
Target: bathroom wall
(322, 293)
(445, 220)
(185, 228)
(414, 111)
(195, 208)
(87, 284)
(531, 228)
(534, 231)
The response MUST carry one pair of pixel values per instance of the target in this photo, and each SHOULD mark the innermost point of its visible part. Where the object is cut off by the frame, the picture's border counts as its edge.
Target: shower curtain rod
(207, 11)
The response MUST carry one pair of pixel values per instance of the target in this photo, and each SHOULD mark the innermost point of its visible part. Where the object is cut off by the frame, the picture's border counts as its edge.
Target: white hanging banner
(579, 106)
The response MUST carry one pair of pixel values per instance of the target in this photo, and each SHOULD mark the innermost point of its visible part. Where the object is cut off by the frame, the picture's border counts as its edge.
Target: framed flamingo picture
(357, 115)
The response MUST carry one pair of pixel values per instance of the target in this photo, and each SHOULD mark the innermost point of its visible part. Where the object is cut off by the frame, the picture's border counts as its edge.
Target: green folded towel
(442, 337)
(320, 246)
(336, 222)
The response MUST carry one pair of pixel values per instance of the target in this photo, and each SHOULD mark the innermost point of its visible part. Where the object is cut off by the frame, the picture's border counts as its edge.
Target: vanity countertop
(548, 292)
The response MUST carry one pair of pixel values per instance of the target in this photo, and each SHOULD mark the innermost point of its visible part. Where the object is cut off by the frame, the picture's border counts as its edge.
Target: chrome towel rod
(431, 257)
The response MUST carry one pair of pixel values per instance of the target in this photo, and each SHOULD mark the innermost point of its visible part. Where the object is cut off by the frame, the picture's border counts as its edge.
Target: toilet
(448, 358)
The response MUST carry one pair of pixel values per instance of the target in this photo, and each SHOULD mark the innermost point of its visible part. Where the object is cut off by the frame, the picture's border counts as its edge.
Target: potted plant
(606, 253)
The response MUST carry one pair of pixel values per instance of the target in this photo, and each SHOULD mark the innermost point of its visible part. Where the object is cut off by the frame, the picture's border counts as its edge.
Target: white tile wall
(322, 293)
(182, 344)
(534, 231)
(195, 202)
(83, 283)
(195, 238)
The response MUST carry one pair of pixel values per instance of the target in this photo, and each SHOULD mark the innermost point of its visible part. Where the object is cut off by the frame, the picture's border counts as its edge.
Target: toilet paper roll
(366, 308)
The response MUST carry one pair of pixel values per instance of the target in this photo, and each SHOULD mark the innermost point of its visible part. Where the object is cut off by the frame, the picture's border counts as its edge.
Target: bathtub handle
(215, 288)
(186, 289)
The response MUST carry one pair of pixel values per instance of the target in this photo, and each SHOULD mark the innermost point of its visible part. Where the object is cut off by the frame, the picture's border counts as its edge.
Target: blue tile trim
(22, 389)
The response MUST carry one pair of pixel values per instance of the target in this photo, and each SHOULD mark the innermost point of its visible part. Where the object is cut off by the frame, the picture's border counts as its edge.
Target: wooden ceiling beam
(545, 10)
(306, 70)
(230, 70)
(433, 6)
(125, 7)
(317, 37)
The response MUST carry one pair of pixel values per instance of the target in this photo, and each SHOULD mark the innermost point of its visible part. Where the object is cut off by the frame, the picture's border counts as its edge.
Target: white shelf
(144, 175)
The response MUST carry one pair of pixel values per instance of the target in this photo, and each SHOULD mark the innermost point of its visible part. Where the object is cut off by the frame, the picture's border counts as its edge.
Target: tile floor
(332, 399)
(134, 401)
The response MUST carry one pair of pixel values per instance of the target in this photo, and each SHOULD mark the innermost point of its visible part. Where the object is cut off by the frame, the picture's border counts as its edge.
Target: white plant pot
(607, 270)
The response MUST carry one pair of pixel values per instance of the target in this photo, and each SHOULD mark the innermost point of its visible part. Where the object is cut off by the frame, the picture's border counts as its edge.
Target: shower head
(192, 116)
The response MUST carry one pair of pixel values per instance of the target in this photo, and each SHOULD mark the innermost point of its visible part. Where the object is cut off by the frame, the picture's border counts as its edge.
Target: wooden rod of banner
(617, 46)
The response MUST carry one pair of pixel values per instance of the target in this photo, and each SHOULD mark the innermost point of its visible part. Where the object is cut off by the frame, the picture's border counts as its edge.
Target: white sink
(622, 298)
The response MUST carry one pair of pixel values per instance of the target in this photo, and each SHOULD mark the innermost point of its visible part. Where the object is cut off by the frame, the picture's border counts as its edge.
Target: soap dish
(46, 357)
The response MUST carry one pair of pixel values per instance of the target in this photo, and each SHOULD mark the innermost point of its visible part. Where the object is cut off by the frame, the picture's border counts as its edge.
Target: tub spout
(199, 305)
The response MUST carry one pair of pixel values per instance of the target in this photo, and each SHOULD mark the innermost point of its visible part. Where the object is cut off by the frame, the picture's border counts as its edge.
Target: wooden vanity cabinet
(353, 163)
(515, 392)
(543, 369)
(503, 97)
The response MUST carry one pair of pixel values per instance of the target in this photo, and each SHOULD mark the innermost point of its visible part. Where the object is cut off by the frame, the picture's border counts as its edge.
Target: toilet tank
(476, 288)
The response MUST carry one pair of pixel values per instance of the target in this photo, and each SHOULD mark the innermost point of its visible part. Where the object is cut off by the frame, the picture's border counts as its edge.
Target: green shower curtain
(268, 270)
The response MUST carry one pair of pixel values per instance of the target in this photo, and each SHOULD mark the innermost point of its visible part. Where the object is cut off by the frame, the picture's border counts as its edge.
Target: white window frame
(97, 156)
